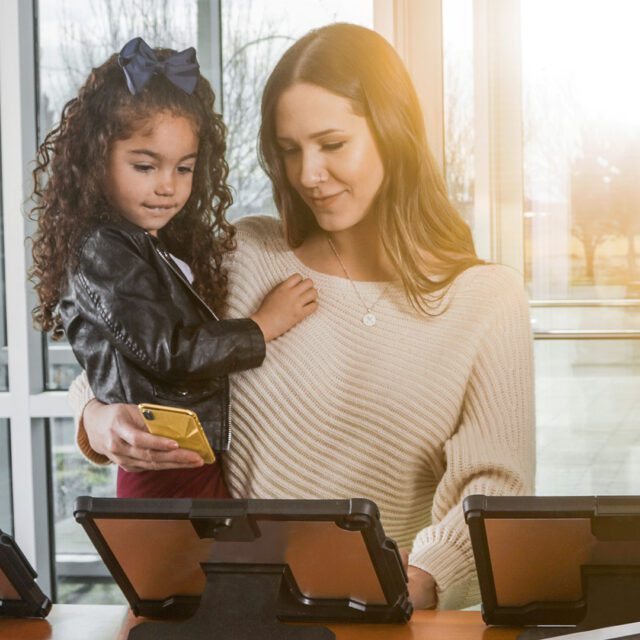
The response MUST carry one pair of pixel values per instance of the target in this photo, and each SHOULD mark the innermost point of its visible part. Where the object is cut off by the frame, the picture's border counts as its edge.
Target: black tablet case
(20, 596)
(557, 560)
(237, 531)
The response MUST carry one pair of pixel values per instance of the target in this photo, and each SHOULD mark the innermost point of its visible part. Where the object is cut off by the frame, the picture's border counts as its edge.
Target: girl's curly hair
(70, 172)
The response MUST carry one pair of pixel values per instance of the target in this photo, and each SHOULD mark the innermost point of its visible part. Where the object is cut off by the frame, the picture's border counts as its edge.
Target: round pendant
(368, 319)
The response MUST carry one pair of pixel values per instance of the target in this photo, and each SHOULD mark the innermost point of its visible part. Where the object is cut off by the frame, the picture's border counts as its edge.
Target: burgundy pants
(206, 481)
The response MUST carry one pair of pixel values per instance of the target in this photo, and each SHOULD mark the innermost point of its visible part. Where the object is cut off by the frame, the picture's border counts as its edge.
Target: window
(578, 162)
(4, 379)
(6, 497)
(457, 29)
(80, 575)
(581, 143)
(6, 506)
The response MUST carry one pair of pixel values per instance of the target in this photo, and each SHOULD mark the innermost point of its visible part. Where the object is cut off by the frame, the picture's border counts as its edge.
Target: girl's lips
(159, 207)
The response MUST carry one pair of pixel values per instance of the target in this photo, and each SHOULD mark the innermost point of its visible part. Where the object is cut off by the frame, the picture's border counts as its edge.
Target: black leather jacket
(143, 334)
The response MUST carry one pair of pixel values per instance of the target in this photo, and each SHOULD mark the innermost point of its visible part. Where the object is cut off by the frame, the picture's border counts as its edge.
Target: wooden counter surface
(111, 622)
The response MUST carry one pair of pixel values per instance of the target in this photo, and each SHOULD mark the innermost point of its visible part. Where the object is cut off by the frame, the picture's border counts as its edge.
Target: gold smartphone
(181, 425)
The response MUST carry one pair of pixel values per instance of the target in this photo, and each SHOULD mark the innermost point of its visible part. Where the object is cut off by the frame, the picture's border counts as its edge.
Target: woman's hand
(118, 432)
(422, 586)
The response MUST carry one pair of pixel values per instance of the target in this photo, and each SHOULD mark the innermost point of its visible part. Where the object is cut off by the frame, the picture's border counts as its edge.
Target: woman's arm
(422, 586)
(493, 449)
(116, 433)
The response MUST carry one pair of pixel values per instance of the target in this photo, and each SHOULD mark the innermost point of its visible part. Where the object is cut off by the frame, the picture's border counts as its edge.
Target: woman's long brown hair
(425, 238)
(70, 172)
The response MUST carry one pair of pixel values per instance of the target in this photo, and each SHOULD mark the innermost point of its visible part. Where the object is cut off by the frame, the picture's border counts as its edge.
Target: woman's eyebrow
(317, 134)
(325, 132)
(157, 156)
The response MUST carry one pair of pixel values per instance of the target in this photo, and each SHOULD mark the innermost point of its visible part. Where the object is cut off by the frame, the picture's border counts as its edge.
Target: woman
(412, 383)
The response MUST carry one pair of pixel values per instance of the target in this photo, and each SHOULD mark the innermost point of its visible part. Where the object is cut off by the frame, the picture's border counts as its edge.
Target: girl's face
(330, 156)
(149, 175)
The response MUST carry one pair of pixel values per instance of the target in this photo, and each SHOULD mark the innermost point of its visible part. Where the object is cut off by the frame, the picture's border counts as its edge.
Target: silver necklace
(368, 319)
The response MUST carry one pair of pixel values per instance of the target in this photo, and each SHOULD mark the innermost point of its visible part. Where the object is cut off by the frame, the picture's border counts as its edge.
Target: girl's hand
(286, 305)
(118, 432)
(422, 586)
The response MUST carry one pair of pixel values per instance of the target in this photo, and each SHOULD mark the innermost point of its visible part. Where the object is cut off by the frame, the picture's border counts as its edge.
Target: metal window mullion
(583, 304)
(499, 191)
(50, 404)
(210, 45)
(414, 27)
(383, 18)
(18, 122)
(587, 334)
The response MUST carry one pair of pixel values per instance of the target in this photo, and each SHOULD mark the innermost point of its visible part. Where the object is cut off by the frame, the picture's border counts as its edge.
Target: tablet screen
(7, 590)
(162, 558)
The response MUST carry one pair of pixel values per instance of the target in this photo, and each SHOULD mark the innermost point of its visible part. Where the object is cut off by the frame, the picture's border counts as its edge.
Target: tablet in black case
(20, 596)
(557, 560)
(340, 565)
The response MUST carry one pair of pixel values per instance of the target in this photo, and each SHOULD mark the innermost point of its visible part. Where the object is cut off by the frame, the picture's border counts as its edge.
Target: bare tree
(110, 23)
(625, 197)
(251, 50)
(460, 138)
(591, 203)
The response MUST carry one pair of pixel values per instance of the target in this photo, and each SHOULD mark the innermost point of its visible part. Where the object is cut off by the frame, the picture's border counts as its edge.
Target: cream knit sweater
(414, 413)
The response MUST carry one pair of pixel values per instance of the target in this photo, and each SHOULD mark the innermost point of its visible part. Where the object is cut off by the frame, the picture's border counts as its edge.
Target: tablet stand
(239, 602)
(612, 597)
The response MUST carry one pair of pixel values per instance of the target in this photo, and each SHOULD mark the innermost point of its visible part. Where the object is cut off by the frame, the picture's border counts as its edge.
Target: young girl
(130, 201)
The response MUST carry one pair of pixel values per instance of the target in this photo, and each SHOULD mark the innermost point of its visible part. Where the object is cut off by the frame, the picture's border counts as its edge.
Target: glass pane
(80, 575)
(612, 316)
(588, 417)
(6, 499)
(4, 359)
(459, 134)
(74, 36)
(255, 33)
(581, 148)
(61, 366)
(581, 137)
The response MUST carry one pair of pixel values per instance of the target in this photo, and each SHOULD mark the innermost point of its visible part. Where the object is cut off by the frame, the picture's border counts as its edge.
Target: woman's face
(329, 154)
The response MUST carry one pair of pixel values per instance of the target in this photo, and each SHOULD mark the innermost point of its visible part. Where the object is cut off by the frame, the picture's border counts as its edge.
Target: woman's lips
(326, 201)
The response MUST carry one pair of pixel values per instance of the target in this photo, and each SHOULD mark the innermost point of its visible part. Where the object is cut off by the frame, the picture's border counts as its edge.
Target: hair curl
(424, 237)
(69, 180)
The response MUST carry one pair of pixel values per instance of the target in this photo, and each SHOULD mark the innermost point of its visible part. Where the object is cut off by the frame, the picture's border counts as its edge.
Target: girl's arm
(491, 452)
(115, 289)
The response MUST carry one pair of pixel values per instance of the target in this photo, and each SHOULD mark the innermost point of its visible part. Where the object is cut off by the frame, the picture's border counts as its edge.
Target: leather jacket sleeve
(119, 292)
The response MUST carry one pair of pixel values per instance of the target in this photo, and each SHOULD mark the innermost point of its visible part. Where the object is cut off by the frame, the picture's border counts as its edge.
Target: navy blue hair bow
(139, 63)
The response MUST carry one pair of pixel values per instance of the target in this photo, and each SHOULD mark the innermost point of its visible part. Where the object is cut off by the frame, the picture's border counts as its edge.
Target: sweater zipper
(227, 404)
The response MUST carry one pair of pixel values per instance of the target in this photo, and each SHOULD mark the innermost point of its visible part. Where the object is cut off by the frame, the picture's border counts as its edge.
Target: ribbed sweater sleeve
(80, 394)
(492, 450)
